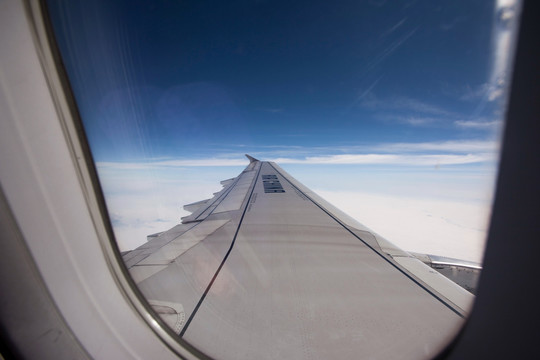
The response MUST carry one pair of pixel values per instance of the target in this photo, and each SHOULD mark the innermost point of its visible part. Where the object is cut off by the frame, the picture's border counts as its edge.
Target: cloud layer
(407, 199)
(439, 227)
(417, 154)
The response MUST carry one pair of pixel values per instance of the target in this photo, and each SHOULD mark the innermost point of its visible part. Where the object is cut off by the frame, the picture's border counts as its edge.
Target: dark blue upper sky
(160, 79)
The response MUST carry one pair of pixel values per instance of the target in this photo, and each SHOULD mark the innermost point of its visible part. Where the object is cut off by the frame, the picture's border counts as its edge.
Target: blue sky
(198, 78)
(359, 90)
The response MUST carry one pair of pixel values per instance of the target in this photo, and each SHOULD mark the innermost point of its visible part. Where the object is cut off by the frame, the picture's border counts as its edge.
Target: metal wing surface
(268, 269)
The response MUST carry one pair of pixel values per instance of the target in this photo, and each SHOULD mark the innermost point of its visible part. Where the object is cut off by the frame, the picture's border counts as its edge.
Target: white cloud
(427, 224)
(147, 197)
(429, 211)
(419, 154)
(452, 146)
(405, 103)
(438, 227)
(392, 159)
(273, 110)
(141, 203)
(415, 120)
(478, 124)
(212, 162)
(474, 94)
(203, 162)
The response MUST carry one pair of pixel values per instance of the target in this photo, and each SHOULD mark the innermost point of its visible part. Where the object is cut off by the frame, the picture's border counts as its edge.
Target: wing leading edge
(268, 269)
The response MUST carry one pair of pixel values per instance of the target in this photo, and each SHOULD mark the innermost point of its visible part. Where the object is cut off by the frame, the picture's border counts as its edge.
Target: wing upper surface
(267, 269)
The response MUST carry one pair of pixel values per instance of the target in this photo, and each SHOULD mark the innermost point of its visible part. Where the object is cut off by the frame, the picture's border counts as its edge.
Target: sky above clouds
(365, 91)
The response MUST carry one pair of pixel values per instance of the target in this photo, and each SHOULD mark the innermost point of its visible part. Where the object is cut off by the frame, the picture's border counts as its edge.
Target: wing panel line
(188, 322)
(219, 199)
(370, 247)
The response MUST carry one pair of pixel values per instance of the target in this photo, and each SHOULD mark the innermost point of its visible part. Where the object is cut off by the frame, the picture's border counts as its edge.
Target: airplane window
(390, 112)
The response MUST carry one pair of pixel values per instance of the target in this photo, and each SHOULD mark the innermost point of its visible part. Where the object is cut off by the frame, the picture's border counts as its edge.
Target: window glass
(390, 110)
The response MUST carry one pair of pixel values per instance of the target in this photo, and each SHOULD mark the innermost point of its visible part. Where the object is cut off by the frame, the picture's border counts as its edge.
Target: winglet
(251, 159)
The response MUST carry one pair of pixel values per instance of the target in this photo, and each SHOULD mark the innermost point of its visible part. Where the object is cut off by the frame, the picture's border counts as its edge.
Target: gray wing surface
(268, 269)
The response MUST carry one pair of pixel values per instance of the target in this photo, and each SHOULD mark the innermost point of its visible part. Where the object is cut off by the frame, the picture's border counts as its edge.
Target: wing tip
(251, 159)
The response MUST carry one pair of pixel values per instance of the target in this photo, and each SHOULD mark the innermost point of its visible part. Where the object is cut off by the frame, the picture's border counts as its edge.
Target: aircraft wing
(268, 269)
